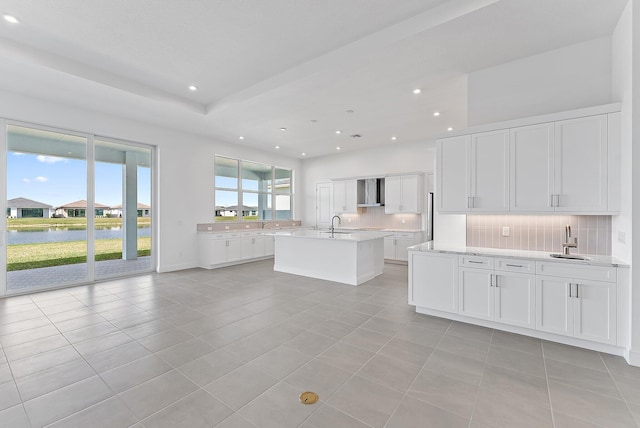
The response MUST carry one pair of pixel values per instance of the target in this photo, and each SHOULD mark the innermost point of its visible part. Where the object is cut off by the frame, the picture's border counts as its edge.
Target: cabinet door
(433, 281)
(595, 311)
(490, 171)
(269, 245)
(351, 196)
(258, 246)
(531, 167)
(234, 251)
(515, 299)
(476, 293)
(339, 196)
(401, 248)
(246, 247)
(219, 251)
(392, 194)
(452, 160)
(580, 164)
(390, 248)
(410, 194)
(554, 306)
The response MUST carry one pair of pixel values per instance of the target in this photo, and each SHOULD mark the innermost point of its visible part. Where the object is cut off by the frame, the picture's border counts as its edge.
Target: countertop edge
(533, 255)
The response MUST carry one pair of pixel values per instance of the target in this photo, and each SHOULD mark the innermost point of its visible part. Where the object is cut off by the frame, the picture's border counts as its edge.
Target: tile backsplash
(375, 217)
(541, 232)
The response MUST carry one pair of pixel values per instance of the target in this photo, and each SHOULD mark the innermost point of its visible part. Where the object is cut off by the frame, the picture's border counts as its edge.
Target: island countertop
(336, 236)
(521, 254)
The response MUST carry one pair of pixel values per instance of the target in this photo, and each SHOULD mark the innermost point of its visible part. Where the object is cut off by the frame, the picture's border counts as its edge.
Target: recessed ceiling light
(303, 154)
(283, 129)
(338, 148)
(394, 138)
(241, 137)
(449, 129)
(417, 91)
(436, 114)
(193, 88)
(10, 18)
(277, 147)
(338, 132)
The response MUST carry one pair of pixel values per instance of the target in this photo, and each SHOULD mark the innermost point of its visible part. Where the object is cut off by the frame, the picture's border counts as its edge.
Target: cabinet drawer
(408, 235)
(577, 271)
(516, 265)
(477, 262)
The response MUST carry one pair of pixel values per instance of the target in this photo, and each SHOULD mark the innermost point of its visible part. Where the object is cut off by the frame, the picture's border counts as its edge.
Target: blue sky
(58, 181)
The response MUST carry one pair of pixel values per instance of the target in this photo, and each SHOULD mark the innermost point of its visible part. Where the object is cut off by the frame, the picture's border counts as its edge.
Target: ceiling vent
(356, 136)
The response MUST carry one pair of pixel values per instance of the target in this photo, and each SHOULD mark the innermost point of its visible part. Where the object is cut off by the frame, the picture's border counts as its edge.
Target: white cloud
(41, 179)
(50, 159)
(26, 180)
(18, 154)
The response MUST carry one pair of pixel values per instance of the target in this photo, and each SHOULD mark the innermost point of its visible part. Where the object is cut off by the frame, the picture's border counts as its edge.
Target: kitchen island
(347, 257)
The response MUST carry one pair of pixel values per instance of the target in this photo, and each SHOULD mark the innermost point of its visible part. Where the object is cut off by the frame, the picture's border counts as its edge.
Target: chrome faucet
(569, 242)
(339, 222)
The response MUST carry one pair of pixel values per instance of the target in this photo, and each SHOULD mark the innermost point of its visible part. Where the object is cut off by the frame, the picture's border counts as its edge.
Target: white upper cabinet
(531, 167)
(345, 196)
(473, 173)
(570, 166)
(580, 164)
(453, 174)
(489, 171)
(403, 194)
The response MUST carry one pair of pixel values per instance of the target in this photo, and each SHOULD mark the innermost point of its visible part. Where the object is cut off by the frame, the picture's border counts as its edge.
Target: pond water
(17, 237)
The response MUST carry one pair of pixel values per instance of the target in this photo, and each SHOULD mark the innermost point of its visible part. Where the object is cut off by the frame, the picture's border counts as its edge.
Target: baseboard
(175, 267)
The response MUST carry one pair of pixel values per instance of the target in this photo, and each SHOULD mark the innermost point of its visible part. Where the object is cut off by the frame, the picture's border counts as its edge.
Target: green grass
(74, 222)
(47, 254)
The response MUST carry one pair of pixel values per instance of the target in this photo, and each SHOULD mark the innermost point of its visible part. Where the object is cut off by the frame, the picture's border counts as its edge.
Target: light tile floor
(235, 347)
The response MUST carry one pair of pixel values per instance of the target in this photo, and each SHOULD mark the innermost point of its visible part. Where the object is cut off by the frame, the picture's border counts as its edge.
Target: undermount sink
(568, 256)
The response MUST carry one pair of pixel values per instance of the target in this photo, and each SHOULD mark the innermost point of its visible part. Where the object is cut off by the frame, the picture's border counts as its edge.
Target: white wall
(621, 91)
(410, 157)
(185, 168)
(563, 79)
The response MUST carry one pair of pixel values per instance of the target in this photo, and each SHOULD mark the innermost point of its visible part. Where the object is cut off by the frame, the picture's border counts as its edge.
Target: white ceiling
(262, 65)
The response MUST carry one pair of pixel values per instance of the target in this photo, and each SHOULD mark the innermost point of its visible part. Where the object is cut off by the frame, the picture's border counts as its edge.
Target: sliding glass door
(123, 208)
(76, 209)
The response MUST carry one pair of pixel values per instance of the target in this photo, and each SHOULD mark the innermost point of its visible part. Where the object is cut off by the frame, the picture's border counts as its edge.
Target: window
(251, 191)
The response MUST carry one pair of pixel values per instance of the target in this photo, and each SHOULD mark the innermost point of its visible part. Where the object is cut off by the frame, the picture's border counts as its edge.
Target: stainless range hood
(370, 192)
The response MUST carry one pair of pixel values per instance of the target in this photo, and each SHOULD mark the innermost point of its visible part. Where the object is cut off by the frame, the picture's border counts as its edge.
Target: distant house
(143, 210)
(79, 209)
(23, 208)
(232, 211)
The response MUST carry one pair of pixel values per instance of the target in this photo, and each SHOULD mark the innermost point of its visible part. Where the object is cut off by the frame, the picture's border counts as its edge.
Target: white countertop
(338, 236)
(520, 254)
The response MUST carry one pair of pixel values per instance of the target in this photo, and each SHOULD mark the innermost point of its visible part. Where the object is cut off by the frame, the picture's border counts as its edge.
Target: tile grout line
(546, 378)
(484, 367)
(418, 374)
(624, 399)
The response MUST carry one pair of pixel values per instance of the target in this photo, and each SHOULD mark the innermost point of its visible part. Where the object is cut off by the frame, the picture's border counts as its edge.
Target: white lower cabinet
(395, 247)
(506, 297)
(433, 281)
(580, 308)
(562, 298)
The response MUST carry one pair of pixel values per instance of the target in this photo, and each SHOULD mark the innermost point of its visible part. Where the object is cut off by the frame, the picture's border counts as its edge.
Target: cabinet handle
(551, 199)
(510, 265)
(491, 280)
(476, 262)
(577, 291)
(570, 284)
(496, 284)
(557, 200)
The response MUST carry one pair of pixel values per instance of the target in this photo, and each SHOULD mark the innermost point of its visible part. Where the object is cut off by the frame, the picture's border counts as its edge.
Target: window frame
(241, 192)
